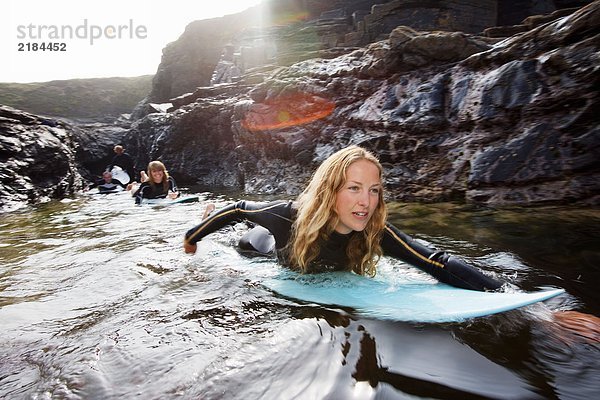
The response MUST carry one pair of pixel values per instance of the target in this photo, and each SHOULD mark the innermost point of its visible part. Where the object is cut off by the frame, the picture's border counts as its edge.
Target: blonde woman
(157, 184)
(338, 223)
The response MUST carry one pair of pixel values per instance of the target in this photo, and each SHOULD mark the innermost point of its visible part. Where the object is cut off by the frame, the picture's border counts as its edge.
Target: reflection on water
(98, 301)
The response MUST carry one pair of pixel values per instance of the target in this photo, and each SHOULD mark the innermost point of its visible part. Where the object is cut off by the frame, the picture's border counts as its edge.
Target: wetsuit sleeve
(172, 185)
(139, 194)
(274, 216)
(118, 182)
(443, 267)
(129, 167)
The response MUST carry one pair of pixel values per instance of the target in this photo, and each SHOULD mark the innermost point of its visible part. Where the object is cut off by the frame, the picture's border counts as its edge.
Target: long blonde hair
(158, 166)
(316, 219)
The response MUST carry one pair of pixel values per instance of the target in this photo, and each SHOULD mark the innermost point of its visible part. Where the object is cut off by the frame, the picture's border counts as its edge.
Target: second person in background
(159, 185)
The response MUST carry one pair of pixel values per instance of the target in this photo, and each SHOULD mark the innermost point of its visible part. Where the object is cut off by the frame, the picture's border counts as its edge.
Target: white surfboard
(119, 174)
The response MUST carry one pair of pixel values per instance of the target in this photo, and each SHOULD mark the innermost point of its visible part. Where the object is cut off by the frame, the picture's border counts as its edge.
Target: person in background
(107, 183)
(159, 184)
(123, 160)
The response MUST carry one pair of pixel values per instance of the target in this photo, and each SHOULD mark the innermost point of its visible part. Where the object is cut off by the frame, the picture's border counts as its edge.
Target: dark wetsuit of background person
(124, 161)
(156, 191)
(278, 216)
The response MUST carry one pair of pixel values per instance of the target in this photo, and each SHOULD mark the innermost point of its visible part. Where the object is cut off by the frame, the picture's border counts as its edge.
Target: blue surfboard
(418, 302)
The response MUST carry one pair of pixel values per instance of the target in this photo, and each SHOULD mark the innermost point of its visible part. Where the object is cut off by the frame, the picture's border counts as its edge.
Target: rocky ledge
(452, 116)
(38, 158)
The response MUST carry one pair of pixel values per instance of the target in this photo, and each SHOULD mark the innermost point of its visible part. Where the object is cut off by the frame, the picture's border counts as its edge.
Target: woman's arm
(139, 193)
(173, 191)
(274, 216)
(445, 268)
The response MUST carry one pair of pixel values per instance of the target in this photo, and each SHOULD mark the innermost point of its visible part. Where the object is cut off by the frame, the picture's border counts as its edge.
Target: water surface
(98, 301)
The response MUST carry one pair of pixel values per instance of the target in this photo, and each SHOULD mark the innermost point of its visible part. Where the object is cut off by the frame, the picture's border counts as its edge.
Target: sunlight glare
(163, 21)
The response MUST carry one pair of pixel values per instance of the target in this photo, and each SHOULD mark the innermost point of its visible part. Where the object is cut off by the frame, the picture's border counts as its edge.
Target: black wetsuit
(156, 191)
(277, 217)
(110, 186)
(124, 161)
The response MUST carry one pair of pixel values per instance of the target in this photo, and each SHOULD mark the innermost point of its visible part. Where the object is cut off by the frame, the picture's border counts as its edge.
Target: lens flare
(291, 17)
(285, 111)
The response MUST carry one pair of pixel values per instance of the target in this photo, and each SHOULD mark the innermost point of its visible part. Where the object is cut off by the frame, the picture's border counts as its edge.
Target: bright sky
(101, 38)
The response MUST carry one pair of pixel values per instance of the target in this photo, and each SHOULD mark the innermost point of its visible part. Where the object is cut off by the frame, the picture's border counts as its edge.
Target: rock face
(283, 32)
(94, 143)
(451, 115)
(44, 158)
(38, 159)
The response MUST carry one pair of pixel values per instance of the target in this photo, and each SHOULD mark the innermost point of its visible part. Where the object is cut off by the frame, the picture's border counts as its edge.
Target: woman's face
(359, 196)
(157, 175)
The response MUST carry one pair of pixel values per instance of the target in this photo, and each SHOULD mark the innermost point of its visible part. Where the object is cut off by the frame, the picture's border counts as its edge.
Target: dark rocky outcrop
(452, 116)
(45, 158)
(283, 32)
(94, 143)
(38, 159)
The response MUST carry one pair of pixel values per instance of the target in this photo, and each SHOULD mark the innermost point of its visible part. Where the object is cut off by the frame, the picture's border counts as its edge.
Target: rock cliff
(283, 32)
(485, 118)
(452, 116)
(38, 159)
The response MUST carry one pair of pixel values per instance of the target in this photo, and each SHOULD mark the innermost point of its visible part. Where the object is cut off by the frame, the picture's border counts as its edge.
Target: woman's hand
(173, 195)
(132, 188)
(210, 207)
(189, 248)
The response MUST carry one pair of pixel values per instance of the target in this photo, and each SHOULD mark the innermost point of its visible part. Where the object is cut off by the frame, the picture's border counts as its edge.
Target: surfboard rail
(168, 202)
